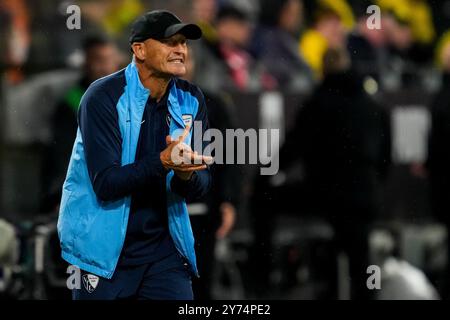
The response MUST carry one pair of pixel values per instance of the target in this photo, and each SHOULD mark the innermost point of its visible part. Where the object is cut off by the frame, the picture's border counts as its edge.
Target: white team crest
(187, 119)
(90, 282)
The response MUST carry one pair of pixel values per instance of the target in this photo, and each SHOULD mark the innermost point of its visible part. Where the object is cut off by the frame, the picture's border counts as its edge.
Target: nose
(181, 48)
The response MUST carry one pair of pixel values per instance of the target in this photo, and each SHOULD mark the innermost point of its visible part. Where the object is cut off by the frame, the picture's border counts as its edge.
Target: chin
(178, 71)
(179, 74)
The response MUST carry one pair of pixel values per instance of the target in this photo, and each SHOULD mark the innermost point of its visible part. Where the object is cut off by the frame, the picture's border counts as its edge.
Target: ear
(139, 50)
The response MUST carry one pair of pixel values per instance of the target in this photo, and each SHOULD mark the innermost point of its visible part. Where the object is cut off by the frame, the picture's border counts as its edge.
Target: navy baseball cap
(161, 24)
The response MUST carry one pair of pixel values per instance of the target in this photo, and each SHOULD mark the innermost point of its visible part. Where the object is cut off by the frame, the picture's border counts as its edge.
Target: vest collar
(142, 93)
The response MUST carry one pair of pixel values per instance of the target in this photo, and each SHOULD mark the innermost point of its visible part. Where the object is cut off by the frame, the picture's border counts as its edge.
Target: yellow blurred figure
(422, 22)
(343, 9)
(328, 31)
(120, 14)
(400, 8)
(313, 47)
(416, 13)
(443, 51)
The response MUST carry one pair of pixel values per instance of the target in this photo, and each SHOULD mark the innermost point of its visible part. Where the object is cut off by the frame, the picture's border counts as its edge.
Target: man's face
(399, 35)
(233, 31)
(165, 57)
(291, 16)
(101, 60)
(332, 28)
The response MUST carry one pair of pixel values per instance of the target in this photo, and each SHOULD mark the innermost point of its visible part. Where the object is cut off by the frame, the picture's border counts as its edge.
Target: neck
(157, 84)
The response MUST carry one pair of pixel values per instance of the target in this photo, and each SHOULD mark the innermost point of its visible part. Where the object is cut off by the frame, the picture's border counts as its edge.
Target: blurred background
(364, 120)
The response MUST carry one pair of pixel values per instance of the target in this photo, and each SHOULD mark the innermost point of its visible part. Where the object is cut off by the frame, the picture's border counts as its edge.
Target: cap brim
(189, 30)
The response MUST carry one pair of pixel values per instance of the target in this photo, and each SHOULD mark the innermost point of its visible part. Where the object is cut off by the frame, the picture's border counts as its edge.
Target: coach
(123, 219)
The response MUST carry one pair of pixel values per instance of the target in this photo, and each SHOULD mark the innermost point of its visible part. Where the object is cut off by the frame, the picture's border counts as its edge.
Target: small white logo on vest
(90, 282)
(168, 118)
(187, 119)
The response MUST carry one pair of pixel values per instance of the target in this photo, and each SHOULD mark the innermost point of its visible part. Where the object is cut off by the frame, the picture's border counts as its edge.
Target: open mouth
(178, 60)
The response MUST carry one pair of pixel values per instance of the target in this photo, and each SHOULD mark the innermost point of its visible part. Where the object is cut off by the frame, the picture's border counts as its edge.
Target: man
(342, 138)
(327, 32)
(367, 47)
(101, 59)
(275, 44)
(123, 218)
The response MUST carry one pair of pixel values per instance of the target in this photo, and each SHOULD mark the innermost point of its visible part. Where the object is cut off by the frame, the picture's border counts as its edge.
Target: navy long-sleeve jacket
(147, 237)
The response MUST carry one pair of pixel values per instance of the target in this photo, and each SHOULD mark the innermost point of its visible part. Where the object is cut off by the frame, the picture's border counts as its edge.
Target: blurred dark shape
(438, 162)
(275, 44)
(213, 218)
(367, 47)
(441, 15)
(101, 59)
(342, 139)
(221, 203)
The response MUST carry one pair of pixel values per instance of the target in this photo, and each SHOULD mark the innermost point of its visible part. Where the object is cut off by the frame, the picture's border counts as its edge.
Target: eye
(173, 42)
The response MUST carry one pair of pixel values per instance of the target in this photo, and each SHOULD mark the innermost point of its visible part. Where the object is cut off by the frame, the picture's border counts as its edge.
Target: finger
(197, 159)
(184, 147)
(188, 167)
(194, 168)
(168, 140)
(185, 133)
(208, 159)
(194, 157)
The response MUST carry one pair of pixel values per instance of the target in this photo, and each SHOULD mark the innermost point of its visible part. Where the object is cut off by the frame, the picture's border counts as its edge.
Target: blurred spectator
(114, 17)
(204, 12)
(225, 63)
(120, 14)
(275, 44)
(15, 34)
(423, 31)
(342, 138)
(440, 11)
(396, 67)
(410, 33)
(213, 218)
(101, 59)
(439, 154)
(367, 47)
(343, 9)
(328, 31)
(417, 15)
(398, 30)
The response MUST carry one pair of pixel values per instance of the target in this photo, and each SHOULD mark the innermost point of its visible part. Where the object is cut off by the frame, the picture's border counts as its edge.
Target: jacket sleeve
(200, 182)
(102, 141)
